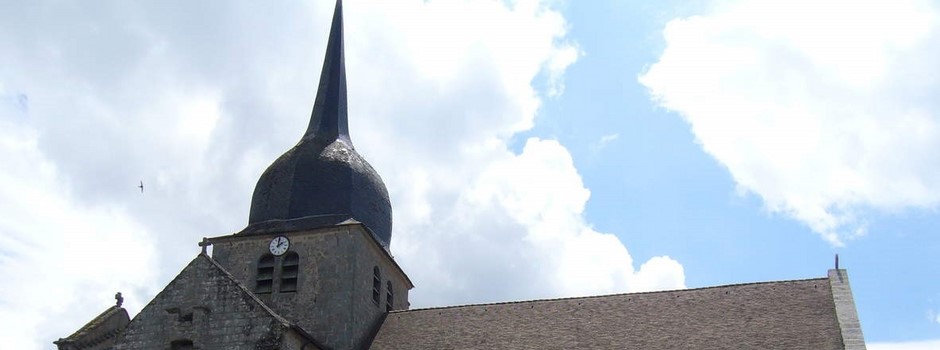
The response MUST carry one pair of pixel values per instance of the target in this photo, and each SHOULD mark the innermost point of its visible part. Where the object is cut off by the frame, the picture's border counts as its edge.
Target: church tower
(316, 248)
(311, 270)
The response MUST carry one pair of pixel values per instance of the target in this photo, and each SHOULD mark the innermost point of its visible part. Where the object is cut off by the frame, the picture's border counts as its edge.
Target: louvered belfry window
(290, 267)
(376, 285)
(265, 279)
(389, 297)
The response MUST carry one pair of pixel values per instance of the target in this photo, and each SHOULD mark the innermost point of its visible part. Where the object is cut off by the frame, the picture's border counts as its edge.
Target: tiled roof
(103, 328)
(773, 315)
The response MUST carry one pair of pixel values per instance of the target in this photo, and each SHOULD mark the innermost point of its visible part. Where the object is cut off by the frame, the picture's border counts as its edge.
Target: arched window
(376, 285)
(290, 265)
(388, 296)
(181, 344)
(265, 279)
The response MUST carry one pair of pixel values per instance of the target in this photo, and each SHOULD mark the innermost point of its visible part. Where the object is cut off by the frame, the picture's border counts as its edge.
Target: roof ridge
(608, 295)
(94, 322)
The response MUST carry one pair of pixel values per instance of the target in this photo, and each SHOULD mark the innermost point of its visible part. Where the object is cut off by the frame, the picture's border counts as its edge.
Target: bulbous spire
(322, 181)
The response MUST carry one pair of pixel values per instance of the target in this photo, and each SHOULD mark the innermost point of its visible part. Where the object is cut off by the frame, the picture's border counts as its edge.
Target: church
(313, 270)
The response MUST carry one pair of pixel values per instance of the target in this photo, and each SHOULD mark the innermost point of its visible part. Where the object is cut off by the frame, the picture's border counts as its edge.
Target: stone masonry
(335, 284)
(845, 310)
(204, 308)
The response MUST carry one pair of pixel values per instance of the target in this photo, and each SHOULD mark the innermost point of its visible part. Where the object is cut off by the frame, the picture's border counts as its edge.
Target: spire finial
(328, 121)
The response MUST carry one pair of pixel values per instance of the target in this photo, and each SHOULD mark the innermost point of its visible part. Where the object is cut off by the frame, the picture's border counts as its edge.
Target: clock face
(279, 245)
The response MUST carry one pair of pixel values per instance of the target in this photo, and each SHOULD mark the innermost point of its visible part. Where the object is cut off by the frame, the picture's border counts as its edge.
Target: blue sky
(531, 148)
(657, 189)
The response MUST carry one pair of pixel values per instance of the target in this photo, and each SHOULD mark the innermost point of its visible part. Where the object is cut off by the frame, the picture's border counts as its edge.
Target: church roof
(798, 314)
(103, 328)
(323, 181)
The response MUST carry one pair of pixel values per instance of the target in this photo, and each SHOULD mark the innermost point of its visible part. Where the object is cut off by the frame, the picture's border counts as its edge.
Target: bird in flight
(141, 187)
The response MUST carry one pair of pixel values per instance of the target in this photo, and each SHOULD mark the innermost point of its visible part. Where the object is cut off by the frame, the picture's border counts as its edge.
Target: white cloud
(196, 99)
(915, 345)
(469, 214)
(604, 141)
(534, 203)
(823, 109)
(60, 258)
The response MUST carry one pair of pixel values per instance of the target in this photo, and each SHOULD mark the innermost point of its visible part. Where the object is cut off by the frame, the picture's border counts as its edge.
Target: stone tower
(311, 270)
(316, 246)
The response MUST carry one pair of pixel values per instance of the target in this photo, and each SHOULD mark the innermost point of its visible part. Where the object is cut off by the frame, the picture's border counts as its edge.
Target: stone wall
(333, 301)
(205, 306)
(851, 328)
(295, 341)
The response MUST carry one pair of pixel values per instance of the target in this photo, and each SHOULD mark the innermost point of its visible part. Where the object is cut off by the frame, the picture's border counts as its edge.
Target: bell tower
(316, 248)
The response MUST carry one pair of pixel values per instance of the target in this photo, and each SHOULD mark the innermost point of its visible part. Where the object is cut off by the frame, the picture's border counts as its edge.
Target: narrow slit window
(265, 279)
(290, 268)
(376, 285)
(389, 296)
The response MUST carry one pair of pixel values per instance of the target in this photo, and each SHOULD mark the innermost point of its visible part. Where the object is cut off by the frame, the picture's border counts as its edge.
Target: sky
(531, 148)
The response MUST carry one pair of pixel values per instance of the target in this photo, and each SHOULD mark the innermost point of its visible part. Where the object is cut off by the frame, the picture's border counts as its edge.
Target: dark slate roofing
(323, 181)
(104, 328)
(772, 315)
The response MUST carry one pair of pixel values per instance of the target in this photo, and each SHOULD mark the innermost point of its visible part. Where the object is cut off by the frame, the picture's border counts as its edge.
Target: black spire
(329, 120)
(323, 181)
